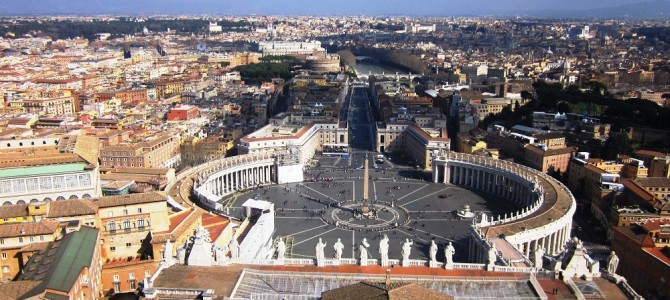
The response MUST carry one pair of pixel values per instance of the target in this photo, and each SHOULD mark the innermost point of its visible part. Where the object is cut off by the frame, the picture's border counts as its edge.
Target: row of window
(21, 240)
(111, 225)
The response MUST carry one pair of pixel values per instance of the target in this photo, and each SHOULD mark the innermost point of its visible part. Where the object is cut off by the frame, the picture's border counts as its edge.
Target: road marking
(317, 227)
(316, 236)
(418, 238)
(320, 193)
(417, 199)
(425, 185)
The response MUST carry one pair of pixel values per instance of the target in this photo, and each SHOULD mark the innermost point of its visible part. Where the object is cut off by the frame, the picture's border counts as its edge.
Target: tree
(616, 144)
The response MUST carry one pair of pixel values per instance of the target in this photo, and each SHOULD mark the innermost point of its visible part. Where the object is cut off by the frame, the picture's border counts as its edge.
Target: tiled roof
(43, 227)
(12, 211)
(130, 199)
(70, 208)
(178, 225)
(16, 289)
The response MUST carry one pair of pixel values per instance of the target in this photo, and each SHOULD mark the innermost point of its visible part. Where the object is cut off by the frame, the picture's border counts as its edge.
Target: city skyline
(566, 8)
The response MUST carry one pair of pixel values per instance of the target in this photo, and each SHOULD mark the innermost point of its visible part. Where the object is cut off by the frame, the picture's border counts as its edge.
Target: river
(362, 68)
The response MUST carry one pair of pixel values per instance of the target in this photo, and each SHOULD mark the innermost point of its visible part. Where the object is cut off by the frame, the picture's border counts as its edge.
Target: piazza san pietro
(287, 150)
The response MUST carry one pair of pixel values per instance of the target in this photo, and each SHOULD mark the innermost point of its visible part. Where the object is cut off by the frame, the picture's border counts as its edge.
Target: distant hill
(655, 9)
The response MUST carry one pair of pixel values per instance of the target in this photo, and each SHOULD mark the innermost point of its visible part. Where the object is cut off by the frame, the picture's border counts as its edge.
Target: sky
(300, 7)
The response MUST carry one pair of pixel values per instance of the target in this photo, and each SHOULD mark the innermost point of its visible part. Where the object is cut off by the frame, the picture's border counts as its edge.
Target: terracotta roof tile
(43, 227)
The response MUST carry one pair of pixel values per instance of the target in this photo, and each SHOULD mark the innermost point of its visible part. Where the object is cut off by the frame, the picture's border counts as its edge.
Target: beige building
(419, 143)
(160, 152)
(58, 106)
(127, 222)
(18, 238)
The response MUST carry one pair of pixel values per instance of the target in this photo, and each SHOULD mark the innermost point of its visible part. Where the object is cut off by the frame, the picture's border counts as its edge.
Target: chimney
(388, 278)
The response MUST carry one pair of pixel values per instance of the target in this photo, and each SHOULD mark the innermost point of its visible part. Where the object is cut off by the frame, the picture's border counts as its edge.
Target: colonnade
(238, 179)
(548, 227)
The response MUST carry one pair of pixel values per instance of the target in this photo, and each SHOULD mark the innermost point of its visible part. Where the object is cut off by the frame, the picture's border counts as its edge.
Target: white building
(214, 27)
(286, 48)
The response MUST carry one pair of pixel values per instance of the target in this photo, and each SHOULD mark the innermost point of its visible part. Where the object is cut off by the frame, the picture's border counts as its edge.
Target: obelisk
(366, 207)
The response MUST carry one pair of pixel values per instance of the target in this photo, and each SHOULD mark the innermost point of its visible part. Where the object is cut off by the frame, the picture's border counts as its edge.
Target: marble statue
(384, 250)
(167, 252)
(492, 255)
(234, 247)
(433, 251)
(320, 257)
(612, 263)
(339, 247)
(539, 253)
(363, 249)
(406, 249)
(281, 249)
(449, 252)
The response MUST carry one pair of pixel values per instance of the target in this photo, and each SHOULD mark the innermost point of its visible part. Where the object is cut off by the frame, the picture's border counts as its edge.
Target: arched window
(140, 223)
(60, 198)
(20, 202)
(6, 203)
(74, 197)
(126, 224)
(111, 226)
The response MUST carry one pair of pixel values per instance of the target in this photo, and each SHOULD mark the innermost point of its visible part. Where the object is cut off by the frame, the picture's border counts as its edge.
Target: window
(131, 275)
(126, 224)
(31, 238)
(147, 273)
(139, 210)
(110, 214)
(41, 238)
(20, 239)
(132, 284)
(2, 241)
(5, 269)
(125, 212)
(128, 245)
(111, 226)
(4, 256)
(140, 223)
(112, 248)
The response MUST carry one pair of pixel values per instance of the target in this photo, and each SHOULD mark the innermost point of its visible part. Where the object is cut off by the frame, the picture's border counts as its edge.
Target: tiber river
(364, 67)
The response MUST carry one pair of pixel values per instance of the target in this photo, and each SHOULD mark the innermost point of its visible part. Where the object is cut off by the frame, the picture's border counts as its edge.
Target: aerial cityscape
(370, 150)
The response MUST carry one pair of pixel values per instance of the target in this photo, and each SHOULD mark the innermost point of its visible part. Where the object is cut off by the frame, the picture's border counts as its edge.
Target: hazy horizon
(300, 7)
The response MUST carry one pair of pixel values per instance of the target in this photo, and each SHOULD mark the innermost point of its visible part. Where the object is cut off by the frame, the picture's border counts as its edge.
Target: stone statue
(406, 249)
(363, 249)
(167, 252)
(339, 247)
(612, 263)
(281, 249)
(449, 252)
(234, 247)
(384, 250)
(492, 255)
(485, 220)
(320, 257)
(433, 251)
(539, 253)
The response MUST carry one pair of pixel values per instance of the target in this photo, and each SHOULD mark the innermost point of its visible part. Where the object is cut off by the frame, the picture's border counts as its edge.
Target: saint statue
(363, 249)
(167, 252)
(406, 248)
(234, 247)
(612, 263)
(539, 253)
(281, 249)
(492, 255)
(338, 249)
(384, 250)
(449, 252)
(320, 257)
(433, 251)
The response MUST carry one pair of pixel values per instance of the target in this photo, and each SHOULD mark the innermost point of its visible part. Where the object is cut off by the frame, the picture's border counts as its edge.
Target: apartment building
(17, 238)
(159, 152)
